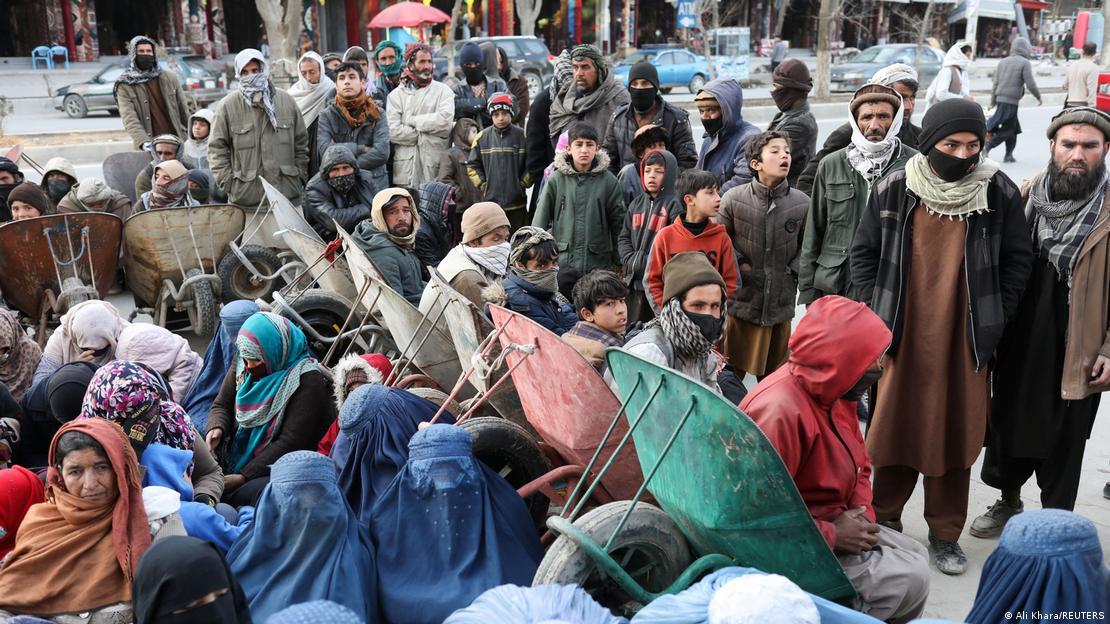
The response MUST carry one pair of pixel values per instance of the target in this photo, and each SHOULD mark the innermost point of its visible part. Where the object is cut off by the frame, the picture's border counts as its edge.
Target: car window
(683, 57)
(111, 74)
(200, 66)
(875, 54)
(636, 57)
(666, 58)
(509, 46)
(533, 46)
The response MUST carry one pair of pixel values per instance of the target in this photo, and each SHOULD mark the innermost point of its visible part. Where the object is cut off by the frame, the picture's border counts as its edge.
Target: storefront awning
(1033, 5)
(996, 9)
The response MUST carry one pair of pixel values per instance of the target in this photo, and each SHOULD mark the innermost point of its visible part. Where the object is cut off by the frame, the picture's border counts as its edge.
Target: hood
(246, 56)
(955, 57)
(336, 154)
(350, 363)
(377, 219)
(61, 165)
(730, 95)
(834, 344)
(564, 163)
(669, 177)
(510, 72)
(489, 57)
(205, 114)
(458, 135)
(1021, 47)
(134, 43)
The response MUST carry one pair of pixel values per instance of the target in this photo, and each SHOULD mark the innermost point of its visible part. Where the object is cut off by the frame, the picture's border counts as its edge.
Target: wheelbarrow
(171, 257)
(724, 496)
(121, 169)
(258, 257)
(52, 262)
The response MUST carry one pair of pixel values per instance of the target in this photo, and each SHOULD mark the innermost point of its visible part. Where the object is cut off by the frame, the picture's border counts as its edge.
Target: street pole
(1019, 17)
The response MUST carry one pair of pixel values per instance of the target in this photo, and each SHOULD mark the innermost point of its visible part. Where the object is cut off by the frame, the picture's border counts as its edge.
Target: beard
(1064, 185)
(401, 230)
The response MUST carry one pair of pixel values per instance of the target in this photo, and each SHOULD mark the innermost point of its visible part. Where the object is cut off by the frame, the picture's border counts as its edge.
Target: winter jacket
(469, 105)
(452, 166)
(540, 146)
(723, 154)
(1014, 75)
(536, 303)
(164, 352)
(369, 142)
(515, 83)
(800, 409)
(839, 139)
(838, 199)
(675, 239)
(645, 217)
(998, 258)
(766, 227)
(118, 204)
(496, 166)
(801, 126)
(652, 345)
(420, 122)
(439, 223)
(595, 108)
(1081, 83)
(584, 212)
(622, 127)
(245, 147)
(323, 204)
(134, 108)
(399, 265)
(632, 186)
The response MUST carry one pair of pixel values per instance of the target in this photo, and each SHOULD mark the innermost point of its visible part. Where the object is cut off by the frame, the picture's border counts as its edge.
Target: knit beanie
(587, 51)
(949, 117)
(1080, 115)
(471, 53)
(93, 191)
(481, 219)
(501, 101)
(7, 165)
(872, 93)
(687, 270)
(793, 74)
(331, 56)
(166, 138)
(30, 194)
(644, 70)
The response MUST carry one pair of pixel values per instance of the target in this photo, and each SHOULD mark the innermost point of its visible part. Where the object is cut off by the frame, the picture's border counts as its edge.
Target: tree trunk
(1105, 47)
(528, 11)
(779, 19)
(449, 43)
(826, 27)
(282, 20)
(926, 23)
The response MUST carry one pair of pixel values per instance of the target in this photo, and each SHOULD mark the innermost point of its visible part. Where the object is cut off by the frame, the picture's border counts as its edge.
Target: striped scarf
(689, 345)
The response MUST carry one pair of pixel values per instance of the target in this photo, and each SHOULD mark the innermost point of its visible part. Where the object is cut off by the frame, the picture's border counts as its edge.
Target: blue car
(677, 68)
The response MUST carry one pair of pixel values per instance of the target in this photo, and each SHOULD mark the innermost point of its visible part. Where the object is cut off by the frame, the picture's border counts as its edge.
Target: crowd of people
(947, 308)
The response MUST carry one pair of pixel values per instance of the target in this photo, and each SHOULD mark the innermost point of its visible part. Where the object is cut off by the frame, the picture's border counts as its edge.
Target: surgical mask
(870, 378)
(713, 126)
(474, 75)
(342, 184)
(144, 62)
(642, 99)
(545, 279)
(950, 168)
(711, 327)
(57, 189)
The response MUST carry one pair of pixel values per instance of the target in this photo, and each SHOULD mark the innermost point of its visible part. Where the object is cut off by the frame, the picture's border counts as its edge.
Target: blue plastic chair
(41, 53)
(64, 51)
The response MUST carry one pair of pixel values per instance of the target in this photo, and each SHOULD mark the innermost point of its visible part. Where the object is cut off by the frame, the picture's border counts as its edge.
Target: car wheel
(535, 84)
(696, 83)
(665, 90)
(75, 106)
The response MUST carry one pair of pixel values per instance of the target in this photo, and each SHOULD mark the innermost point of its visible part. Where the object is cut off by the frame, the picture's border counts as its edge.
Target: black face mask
(200, 194)
(713, 126)
(642, 99)
(57, 189)
(870, 378)
(474, 75)
(5, 189)
(144, 62)
(711, 327)
(950, 168)
(342, 184)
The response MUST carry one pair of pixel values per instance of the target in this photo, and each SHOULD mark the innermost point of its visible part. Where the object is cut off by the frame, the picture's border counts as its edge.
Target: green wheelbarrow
(725, 499)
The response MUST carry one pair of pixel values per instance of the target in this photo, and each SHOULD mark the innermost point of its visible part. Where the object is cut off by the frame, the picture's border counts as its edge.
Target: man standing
(790, 89)
(472, 93)
(1054, 359)
(312, 92)
(518, 85)
(778, 53)
(592, 98)
(942, 255)
(419, 113)
(258, 133)
(1013, 76)
(646, 107)
(1081, 81)
(150, 99)
(387, 60)
(900, 77)
(389, 240)
(840, 192)
(352, 119)
(724, 148)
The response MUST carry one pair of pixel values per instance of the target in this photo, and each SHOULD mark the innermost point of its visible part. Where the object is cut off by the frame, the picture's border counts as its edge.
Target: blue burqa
(315, 612)
(219, 357)
(376, 423)
(304, 543)
(447, 529)
(1047, 561)
(509, 603)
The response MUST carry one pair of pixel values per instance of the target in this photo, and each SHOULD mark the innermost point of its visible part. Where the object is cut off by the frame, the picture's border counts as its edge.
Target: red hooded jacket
(799, 407)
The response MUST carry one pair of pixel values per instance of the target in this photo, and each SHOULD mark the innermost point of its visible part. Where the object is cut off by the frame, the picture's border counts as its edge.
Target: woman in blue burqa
(218, 359)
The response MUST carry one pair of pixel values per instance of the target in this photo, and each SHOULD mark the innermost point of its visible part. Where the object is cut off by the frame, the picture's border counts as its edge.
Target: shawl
(563, 74)
(311, 99)
(256, 84)
(955, 200)
(74, 555)
(19, 489)
(1061, 227)
(18, 366)
(90, 324)
(869, 158)
(356, 110)
(572, 106)
(179, 570)
(260, 403)
(492, 261)
(129, 394)
(689, 345)
(133, 75)
(410, 77)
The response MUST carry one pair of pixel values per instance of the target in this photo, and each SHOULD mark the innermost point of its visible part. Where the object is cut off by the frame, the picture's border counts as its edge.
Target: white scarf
(869, 158)
(493, 261)
(312, 99)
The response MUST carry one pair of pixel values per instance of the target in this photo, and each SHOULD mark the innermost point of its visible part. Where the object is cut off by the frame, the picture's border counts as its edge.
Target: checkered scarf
(689, 345)
(1062, 226)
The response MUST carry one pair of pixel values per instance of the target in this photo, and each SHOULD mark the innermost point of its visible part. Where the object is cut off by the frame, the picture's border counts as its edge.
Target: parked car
(1102, 97)
(529, 55)
(856, 70)
(201, 80)
(677, 68)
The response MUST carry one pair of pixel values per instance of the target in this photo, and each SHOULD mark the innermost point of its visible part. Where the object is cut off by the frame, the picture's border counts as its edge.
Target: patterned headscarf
(135, 398)
(591, 52)
(564, 74)
(410, 76)
(133, 75)
(688, 342)
(256, 84)
(17, 367)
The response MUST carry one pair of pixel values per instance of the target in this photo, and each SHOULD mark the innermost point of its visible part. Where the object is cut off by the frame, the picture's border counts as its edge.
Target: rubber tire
(325, 311)
(80, 110)
(502, 444)
(533, 79)
(438, 397)
(665, 90)
(204, 312)
(647, 528)
(237, 278)
(697, 82)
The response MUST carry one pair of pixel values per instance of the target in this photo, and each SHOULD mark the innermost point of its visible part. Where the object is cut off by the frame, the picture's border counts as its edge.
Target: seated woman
(532, 287)
(89, 331)
(315, 612)
(218, 359)
(273, 402)
(350, 372)
(77, 552)
(164, 351)
(185, 579)
(19, 355)
(133, 397)
(375, 426)
(46, 406)
(170, 190)
(304, 543)
(468, 524)
(544, 603)
(19, 489)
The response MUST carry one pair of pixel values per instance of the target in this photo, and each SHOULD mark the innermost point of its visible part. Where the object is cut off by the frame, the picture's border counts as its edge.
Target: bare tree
(826, 28)
(449, 42)
(282, 20)
(1105, 33)
(528, 11)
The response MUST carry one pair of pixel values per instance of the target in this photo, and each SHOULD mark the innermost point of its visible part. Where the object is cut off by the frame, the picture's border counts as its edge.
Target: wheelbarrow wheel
(325, 312)
(509, 450)
(203, 312)
(650, 548)
(240, 283)
(438, 397)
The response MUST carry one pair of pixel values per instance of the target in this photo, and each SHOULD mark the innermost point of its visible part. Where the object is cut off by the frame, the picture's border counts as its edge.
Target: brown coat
(134, 108)
(118, 205)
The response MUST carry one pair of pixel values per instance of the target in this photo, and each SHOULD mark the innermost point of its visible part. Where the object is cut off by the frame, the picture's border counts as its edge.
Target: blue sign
(687, 18)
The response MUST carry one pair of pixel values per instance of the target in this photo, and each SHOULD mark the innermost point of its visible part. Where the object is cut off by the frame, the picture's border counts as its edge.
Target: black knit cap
(949, 117)
(644, 70)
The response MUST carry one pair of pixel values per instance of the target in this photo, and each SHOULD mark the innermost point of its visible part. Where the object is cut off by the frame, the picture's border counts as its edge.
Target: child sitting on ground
(599, 299)
(496, 164)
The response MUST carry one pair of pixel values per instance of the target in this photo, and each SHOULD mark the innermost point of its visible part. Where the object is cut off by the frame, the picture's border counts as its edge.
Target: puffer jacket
(322, 203)
(134, 108)
(244, 148)
(469, 105)
(452, 165)
(801, 126)
(645, 217)
(540, 305)
(439, 224)
(496, 166)
(623, 126)
(1014, 75)
(766, 227)
(369, 142)
(420, 122)
(723, 154)
(585, 213)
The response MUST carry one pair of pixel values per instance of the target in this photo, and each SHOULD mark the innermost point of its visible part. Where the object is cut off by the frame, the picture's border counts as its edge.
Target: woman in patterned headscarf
(19, 355)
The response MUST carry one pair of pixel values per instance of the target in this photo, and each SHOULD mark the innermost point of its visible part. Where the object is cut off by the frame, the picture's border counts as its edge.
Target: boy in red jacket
(695, 231)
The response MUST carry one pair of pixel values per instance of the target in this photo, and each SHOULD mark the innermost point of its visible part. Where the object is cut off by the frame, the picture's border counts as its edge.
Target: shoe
(894, 524)
(990, 524)
(1009, 159)
(1106, 490)
(948, 556)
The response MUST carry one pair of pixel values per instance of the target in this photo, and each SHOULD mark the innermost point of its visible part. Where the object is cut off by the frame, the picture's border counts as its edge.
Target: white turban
(891, 74)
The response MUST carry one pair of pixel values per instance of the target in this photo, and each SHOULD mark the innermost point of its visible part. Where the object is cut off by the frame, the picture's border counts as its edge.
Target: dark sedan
(855, 71)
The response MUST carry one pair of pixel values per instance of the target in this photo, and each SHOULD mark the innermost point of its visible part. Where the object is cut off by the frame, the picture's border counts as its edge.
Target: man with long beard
(1054, 359)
